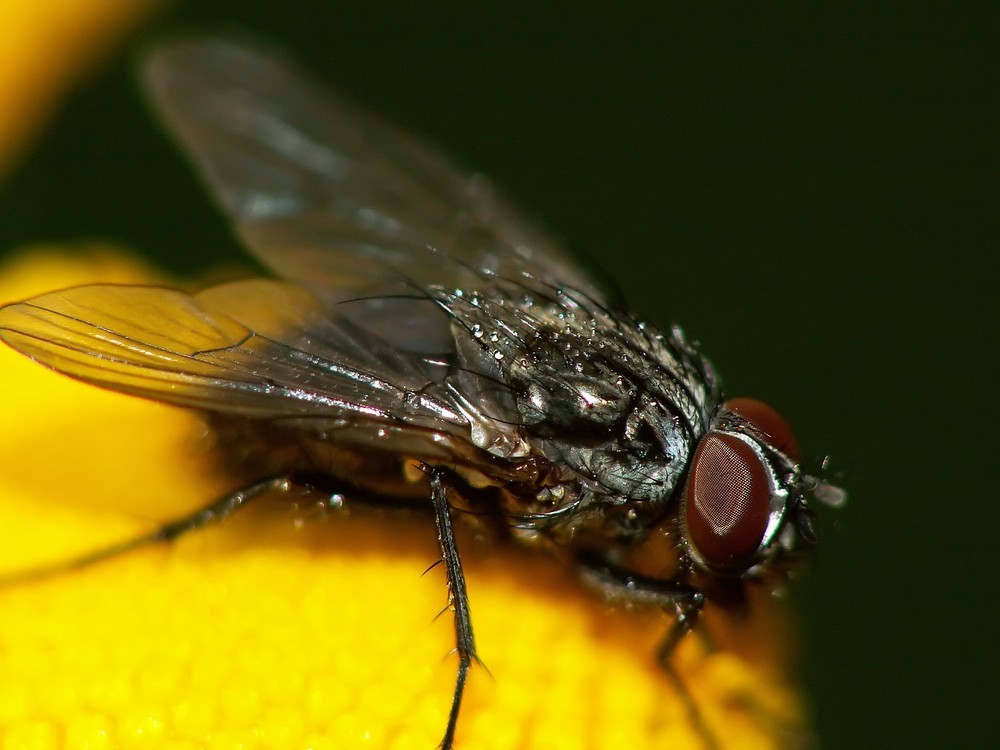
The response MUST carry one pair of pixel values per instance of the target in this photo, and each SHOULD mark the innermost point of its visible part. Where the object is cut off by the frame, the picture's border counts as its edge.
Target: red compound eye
(768, 422)
(728, 502)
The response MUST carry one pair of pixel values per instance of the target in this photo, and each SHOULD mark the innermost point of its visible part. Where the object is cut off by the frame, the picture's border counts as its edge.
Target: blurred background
(809, 192)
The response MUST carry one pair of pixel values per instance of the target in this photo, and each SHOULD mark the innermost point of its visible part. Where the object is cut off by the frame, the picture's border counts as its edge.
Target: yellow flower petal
(287, 629)
(44, 47)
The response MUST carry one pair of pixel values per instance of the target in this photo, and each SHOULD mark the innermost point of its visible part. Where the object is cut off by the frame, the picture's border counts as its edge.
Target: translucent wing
(328, 195)
(256, 348)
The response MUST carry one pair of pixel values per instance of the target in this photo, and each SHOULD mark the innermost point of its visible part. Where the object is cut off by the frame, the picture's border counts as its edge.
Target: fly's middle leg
(458, 597)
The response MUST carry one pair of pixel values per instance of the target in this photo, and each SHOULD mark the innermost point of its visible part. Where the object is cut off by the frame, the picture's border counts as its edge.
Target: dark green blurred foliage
(808, 192)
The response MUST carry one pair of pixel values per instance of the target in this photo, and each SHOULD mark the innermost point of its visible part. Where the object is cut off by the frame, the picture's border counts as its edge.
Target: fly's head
(745, 504)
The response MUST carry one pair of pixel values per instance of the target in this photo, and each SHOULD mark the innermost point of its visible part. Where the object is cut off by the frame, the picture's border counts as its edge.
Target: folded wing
(258, 348)
(330, 196)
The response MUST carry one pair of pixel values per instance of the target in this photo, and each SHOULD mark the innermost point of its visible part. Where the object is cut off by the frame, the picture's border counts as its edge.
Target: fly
(418, 325)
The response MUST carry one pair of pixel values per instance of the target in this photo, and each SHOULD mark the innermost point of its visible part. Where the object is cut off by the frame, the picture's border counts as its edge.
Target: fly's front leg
(217, 511)
(458, 597)
(680, 599)
(686, 616)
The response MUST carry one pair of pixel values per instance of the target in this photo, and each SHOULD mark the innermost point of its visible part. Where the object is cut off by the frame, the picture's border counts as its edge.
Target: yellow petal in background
(285, 628)
(45, 47)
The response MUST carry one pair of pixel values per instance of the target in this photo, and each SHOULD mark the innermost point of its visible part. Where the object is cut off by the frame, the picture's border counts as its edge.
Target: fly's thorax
(630, 469)
(549, 372)
(611, 413)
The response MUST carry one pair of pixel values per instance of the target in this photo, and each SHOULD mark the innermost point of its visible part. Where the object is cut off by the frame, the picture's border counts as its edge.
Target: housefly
(416, 320)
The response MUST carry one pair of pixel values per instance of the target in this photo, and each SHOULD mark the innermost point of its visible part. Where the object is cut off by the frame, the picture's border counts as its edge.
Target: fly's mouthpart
(827, 493)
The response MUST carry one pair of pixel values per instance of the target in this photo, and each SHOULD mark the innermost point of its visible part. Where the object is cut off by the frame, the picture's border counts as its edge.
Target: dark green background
(809, 192)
